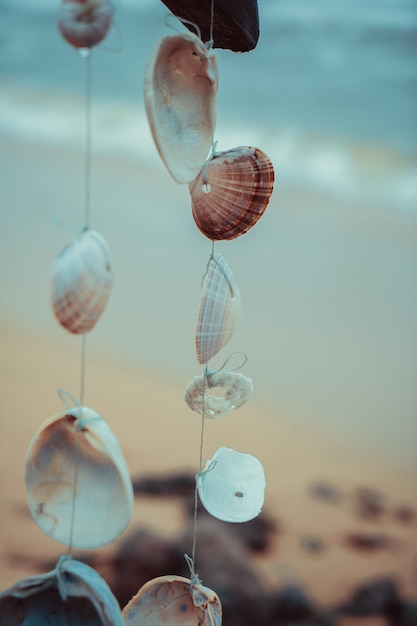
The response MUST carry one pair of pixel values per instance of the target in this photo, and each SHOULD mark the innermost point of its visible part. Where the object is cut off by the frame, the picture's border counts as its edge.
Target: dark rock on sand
(223, 563)
(182, 485)
(369, 503)
(326, 492)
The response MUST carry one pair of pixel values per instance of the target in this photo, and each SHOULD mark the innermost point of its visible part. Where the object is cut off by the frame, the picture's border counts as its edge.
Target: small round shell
(81, 283)
(72, 594)
(180, 98)
(232, 192)
(232, 485)
(219, 309)
(84, 23)
(76, 455)
(237, 389)
(173, 600)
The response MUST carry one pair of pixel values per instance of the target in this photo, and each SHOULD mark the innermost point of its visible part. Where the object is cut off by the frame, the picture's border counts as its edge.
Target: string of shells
(75, 471)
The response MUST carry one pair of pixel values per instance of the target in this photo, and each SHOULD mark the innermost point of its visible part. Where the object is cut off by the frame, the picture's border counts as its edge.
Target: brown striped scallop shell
(173, 600)
(219, 309)
(180, 98)
(231, 192)
(84, 23)
(82, 281)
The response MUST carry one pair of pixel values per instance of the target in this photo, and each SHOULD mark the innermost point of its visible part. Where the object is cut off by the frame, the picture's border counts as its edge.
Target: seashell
(173, 600)
(219, 309)
(232, 485)
(70, 595)
(82, 281)
(237, 389)
(180, 98)
(84, 23)
(231, 192)
(235, 25)
(76, 455)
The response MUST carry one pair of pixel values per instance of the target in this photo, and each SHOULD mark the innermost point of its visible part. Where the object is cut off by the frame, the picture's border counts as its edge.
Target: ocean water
(328, 305)
(329, 93)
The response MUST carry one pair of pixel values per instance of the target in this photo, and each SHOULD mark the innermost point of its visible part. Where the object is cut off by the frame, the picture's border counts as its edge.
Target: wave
(305, 161)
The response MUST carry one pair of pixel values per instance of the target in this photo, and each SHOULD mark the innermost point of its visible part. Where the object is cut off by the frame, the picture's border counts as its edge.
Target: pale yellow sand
(158, 432)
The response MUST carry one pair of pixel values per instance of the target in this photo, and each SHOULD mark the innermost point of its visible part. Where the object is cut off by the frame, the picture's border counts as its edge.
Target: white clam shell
(68, 456)
(173, 600)
(232, 485)
(219, 309)
(180, 95)
(71, 595)
(82, 281)
(237, 390)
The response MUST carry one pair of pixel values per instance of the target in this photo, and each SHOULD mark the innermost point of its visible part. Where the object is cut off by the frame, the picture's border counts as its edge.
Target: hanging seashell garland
(79, 490)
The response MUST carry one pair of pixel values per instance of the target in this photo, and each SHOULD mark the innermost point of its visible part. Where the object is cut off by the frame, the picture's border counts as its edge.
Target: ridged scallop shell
(232, 485)
(180, 98)
(81, 283)
(171, 601)
(232, 192)
(219, 309)
(71, 595)
(77, 453)
(84, 23)
(237, 390)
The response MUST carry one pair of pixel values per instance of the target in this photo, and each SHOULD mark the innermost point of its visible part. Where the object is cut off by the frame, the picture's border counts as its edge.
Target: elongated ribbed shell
(68, 451)
(81, 283)
(73, 594)
(180, 99)
(219, 309)
(173, 601)
(237, 390)
(230, 195)
(232, 485)
(84, 23)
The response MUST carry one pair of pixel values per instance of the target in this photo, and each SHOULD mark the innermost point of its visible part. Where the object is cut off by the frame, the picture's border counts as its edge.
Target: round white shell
(237, 389)
(219, 309)
(173, 600)
(81, 283)
(71, 595)
(180, 98)
(103, 492)
(232, 485)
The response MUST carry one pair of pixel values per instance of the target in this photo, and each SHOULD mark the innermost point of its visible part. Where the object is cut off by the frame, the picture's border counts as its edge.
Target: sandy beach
(141, 356)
